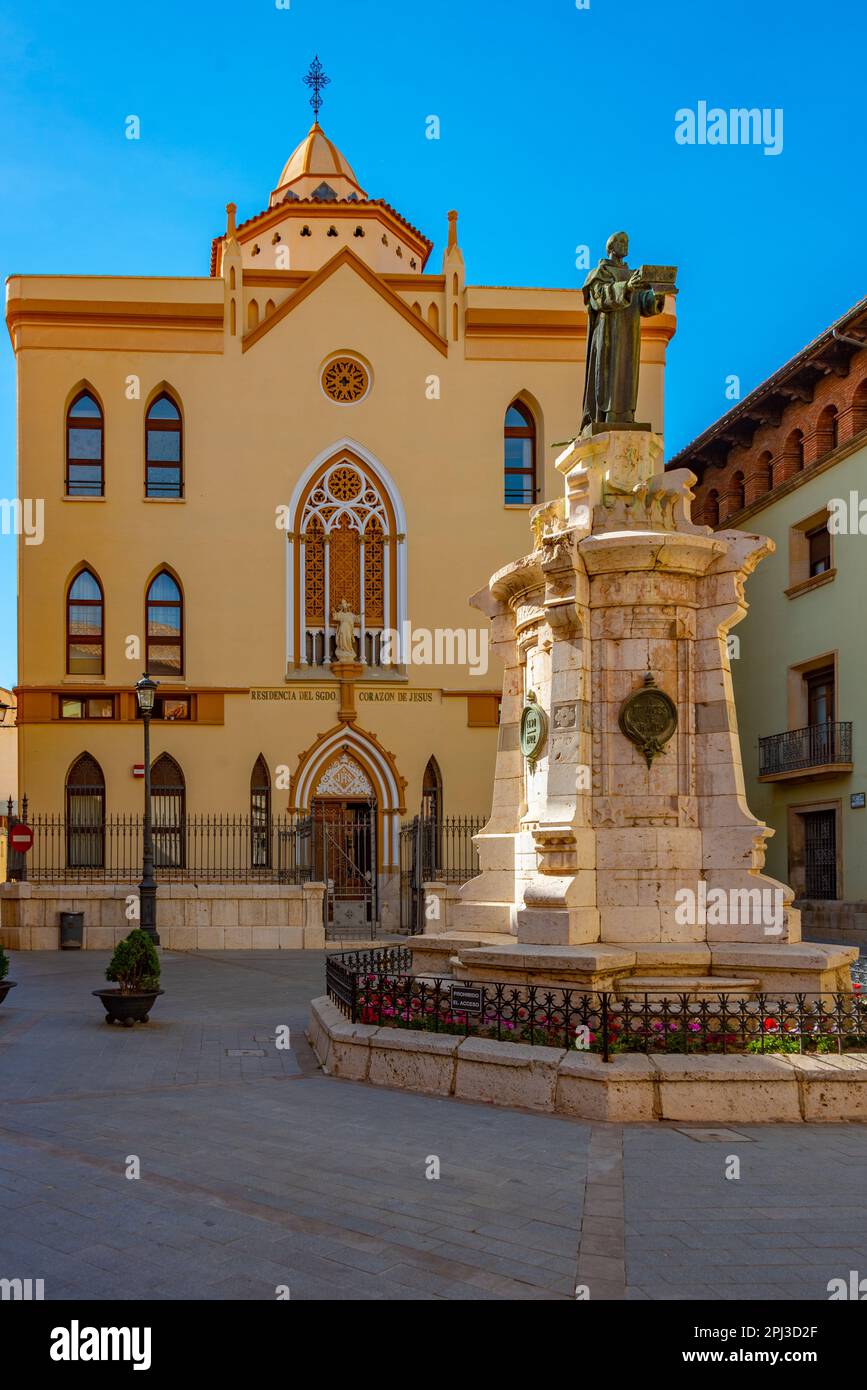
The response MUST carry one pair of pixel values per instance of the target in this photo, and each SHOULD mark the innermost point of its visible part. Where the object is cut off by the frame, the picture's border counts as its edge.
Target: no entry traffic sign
(21, 838)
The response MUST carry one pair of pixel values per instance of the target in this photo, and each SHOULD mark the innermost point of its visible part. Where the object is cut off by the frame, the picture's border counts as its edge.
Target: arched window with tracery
(346, 550)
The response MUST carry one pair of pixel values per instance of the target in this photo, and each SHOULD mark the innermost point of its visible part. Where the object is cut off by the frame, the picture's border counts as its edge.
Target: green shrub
(4, 964)
(135, 965)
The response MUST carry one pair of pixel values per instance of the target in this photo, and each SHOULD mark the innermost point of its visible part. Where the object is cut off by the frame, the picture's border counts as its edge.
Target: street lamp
(145, 691)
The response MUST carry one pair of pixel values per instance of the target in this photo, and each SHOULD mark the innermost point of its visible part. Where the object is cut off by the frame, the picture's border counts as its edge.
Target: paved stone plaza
(257, 1171)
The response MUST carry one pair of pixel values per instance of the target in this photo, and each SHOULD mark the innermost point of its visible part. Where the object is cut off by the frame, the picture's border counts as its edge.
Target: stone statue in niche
(344, 620)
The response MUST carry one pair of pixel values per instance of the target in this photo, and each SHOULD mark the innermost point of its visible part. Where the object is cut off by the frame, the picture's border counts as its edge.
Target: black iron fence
(814, 746)
(375, 987)
(200, 848)
(432, 850)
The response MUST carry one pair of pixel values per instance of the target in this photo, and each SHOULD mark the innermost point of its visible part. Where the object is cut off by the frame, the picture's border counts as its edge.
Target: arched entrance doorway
(349, 792)
(344, 854)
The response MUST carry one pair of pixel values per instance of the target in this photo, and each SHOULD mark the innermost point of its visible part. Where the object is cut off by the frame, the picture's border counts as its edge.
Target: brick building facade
(798, 419)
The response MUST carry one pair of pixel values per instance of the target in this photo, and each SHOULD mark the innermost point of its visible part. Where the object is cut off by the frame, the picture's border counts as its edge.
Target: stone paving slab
(263, 1171)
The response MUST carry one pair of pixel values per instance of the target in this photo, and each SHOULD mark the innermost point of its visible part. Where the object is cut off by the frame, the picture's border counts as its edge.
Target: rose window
(345, 380)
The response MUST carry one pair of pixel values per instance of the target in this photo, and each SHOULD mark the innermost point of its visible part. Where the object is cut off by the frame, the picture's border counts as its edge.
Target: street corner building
(274, 489)
(789, 460)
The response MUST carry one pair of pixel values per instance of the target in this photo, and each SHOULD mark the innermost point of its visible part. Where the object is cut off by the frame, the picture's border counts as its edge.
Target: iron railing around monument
(817, 745)
(375, 987)
(228, 848)
(434, 850)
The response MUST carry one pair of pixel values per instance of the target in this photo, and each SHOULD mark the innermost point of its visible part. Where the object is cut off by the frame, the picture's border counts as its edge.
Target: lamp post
(145, 691)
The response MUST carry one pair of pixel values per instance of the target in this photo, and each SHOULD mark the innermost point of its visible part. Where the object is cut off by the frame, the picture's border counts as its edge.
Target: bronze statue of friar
(617, 299)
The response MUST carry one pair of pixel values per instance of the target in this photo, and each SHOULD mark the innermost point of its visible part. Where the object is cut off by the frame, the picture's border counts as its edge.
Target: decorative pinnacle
(316, 79)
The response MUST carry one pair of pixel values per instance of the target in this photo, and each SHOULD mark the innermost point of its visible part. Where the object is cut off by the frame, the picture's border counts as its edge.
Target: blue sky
(557, 127)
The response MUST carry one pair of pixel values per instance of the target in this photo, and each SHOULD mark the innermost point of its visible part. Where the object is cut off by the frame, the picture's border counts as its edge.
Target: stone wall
(190, 916)
(844, 924)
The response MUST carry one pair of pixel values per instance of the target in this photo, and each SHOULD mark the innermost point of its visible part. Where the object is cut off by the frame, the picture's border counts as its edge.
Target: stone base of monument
(433, 955)
(697, 968)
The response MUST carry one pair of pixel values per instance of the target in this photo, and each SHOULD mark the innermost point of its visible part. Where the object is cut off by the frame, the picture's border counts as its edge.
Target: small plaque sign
(858, 800)
(534, 728)
(467, 999)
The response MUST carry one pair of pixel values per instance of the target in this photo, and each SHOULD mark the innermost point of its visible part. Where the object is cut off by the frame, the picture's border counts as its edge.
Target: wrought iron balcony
(804, 752)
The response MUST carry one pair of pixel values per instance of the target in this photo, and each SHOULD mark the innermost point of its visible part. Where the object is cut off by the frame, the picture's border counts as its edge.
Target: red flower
(771, 1025)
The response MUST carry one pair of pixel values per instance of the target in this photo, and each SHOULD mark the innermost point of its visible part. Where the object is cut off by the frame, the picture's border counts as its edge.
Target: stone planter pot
(127, 1008)
(5, 986)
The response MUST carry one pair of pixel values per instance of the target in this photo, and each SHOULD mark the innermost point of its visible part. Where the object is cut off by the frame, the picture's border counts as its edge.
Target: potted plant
(135, 966)
(5, 985)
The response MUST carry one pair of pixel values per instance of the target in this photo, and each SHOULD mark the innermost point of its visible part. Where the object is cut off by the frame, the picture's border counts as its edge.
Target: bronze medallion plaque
(534, 728)
(649, 718)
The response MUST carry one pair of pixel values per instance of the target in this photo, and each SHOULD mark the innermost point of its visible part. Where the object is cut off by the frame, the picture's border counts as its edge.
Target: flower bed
(600, 1023)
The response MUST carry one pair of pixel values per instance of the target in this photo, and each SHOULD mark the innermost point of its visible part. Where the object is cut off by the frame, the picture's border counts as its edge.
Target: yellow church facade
(230, 465)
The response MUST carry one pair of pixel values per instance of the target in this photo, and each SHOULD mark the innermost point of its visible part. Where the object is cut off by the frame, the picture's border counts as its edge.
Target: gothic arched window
(432, 791)
(260, 815)
(519, 455)
(165, 627)
(431, 813)
(168, 808)
(347, 538)
(85, 434)
(164, 438)
(85, 633)
(85, 814)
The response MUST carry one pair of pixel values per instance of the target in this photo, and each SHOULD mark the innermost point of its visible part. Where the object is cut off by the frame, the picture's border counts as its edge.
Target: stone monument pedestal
(621, 853)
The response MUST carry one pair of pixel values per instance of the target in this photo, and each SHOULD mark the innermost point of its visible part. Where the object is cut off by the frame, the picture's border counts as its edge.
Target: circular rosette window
(345, 379)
